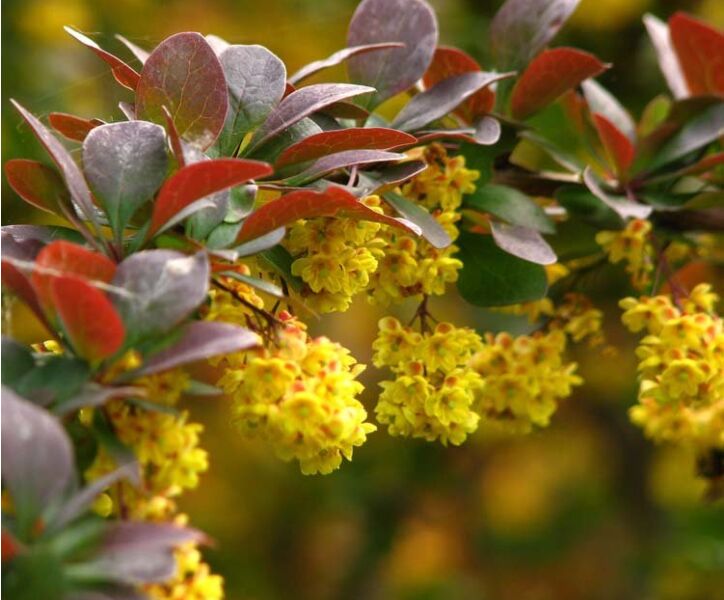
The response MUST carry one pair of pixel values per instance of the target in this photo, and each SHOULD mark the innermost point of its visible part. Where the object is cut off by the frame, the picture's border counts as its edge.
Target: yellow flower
(681, 362)
(632, 246)
(433, 394)
(524, 377)
(299, 394)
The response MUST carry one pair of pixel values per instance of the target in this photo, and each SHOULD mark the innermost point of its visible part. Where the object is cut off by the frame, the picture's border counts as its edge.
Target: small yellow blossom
(632, 246)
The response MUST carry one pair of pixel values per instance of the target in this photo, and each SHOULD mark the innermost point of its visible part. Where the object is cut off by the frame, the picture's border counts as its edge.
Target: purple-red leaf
(303, 204)
(442, 98)
(410, 22)
(72, 127)
(162, 287)
(123, 74)
(342, 160)
(549, 76)
(92, 324)
(668, 61)
(619, 149)
(256, 80)
(486, 132)
(37, 455)
(523, 242)
(61, 258)
(302, 103)
(74, 179)
(448, 62)
(522, 28)
(125, 164)
(201, 340)
(198, 180)
(184, 75)
(339, 140)
(37, 184)
(370, 181)
(177, 146)
(700, 49)
(601, 101)
(339, 57)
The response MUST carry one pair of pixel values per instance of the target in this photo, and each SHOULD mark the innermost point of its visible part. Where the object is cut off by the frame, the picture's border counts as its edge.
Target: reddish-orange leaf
(619, 149)
(17, 282)
(304, 204)
(72, 127)
(700, 49)
(89, 319)
(65, 258)
(575, 108)
(339, 140)
(124, 74)
(448, 62)
(37, 184)
(198, 180)
(549, 76)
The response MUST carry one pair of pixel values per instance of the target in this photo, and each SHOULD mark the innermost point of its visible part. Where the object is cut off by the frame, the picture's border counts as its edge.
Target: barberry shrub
(231, 202)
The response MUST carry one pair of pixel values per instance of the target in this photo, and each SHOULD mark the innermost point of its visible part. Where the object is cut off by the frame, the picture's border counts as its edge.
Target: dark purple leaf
(443, 98)
(141, 54)
(200, 340)
(184, 75)
(123, 74)
(302, 103)
(81, 501)
(430, 229)
(523, 242)
(177, 146)
(71, 173)
(256, 79)
(342, 160)
(37, 455)
(125, 164)
(341, 110)
(668, 62)
(410, 22)
(93, 394)
(135, 535)
(370, 181)
(338, 58)
(625, 208)
(487, 131)
(162, 287)
(522, 28)
(601, 101)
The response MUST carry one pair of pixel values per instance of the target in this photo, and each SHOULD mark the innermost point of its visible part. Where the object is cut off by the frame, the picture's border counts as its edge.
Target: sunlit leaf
(72, 127)
(37, 184)
(619, 149)
(700, 50)
(668, 61)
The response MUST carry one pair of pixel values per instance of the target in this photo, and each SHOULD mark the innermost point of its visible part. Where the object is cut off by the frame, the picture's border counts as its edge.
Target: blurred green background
(586, 509)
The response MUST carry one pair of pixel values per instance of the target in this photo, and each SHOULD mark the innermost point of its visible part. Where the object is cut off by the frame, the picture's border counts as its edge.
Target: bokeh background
(586, 509)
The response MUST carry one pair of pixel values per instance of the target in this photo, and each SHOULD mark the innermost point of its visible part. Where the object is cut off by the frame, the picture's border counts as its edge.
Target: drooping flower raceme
(433, 393)
(299, 394)
(412, 266)
(681, 394)
(524, 377)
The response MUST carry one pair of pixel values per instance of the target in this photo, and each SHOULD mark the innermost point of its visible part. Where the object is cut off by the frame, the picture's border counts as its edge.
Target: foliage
(233, 199)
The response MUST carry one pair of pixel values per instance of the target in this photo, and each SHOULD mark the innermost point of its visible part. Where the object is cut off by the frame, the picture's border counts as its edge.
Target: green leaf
(510, 205)
(581, 203)
(480, 158)
(280, 259)
(17, 361)
(432, 231)
(55, 380)
(223, 236)
(492, 277)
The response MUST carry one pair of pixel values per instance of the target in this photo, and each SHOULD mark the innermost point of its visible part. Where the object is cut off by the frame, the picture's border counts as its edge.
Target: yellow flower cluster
(524, 378)
(193, 580)
(578, 318)
(633, 246)
(433, 394)
(681, 395)
(223, 306)
(299, 394)
(167, 448)
(412, 266)
(335, 257)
